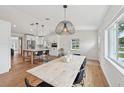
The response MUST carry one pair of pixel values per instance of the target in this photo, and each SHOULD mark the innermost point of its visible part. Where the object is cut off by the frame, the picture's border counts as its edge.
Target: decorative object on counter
(65, 26)
(68, 58)
(61, 52)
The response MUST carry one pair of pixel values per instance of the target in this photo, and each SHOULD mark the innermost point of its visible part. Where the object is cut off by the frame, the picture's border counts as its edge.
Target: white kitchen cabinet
(53, 52)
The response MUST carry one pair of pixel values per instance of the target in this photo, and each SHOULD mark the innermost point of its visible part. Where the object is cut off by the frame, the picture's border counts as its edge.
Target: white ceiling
(82, 16)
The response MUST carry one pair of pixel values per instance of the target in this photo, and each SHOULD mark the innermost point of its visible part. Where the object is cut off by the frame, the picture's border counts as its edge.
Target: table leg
(23, 56)
(32, 57)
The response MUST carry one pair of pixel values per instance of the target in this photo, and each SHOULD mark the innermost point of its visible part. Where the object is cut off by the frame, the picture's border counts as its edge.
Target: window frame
(106, 45)
(72, 44)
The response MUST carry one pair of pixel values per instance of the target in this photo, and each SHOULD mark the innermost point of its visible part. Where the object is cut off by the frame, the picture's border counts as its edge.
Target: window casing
(115, 42)
(75, 44)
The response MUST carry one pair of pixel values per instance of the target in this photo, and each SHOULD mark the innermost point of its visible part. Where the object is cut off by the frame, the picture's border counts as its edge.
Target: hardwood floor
(94, 75)
(15, 78)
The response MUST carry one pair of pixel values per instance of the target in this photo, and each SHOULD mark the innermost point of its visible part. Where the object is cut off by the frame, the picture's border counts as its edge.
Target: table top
(58, 72)
(35, 50)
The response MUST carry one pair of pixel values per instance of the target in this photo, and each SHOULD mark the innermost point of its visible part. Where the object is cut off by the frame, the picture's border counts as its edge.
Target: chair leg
(82, 82)
(84, 75)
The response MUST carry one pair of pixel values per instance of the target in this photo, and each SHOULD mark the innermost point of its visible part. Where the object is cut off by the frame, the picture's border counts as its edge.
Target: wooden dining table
(31, 52)
(59, 72)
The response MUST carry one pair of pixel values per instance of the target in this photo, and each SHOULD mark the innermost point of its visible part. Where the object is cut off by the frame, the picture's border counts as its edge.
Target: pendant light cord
(42, 30)
(37, 29)
(64, 6)
(64, 13)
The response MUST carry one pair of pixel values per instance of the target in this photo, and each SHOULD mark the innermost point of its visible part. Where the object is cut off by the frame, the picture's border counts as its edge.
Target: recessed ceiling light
(47, 18)
(37, 23)
(42, 25)
(31, 29)
(14, 25)
(32, 24)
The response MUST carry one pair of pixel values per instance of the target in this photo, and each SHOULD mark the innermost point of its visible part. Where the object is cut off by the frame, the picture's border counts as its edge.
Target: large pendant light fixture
(37, 29)
(36, 25)
(42, 34)
(65, 27)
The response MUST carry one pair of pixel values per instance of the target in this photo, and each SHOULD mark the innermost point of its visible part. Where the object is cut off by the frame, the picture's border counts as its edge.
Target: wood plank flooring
(94, 75)
(15, 78)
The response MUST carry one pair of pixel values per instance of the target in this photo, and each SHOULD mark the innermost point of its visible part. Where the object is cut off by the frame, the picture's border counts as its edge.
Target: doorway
(16, 49)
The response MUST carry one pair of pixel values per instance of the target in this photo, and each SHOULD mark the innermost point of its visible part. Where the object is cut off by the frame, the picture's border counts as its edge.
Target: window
(115, 37)
(75, 44)
(112, 43)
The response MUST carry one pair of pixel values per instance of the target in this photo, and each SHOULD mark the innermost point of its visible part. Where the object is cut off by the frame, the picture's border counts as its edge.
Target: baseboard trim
(89, 59)
(105, 75)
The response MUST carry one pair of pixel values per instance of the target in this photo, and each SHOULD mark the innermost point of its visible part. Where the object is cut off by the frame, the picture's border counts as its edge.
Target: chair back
(27, 83)
(39, 53)
(83, 65)
(61, 52)
(77, 54)
(47, 52)
(79, 77)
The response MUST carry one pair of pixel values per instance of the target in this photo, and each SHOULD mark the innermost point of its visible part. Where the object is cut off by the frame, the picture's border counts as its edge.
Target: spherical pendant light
(65, 27)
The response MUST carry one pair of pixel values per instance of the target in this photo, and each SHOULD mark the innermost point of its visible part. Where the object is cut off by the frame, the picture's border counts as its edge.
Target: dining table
(60, 72)
(31, 52)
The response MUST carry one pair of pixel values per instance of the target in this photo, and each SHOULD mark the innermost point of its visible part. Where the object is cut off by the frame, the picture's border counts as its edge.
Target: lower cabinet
(54, 52)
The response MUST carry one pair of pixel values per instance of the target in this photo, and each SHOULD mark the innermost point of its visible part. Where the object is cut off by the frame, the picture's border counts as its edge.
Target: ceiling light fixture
(35, 24)
(14, 25)
(37, 29)
(31, 29)
(65, 26)
(47, 18)
(42, 31)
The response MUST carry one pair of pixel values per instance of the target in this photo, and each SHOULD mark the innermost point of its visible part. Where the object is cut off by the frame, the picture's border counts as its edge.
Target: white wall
(88, 42)
(113, 75)
(5, 62)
